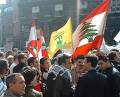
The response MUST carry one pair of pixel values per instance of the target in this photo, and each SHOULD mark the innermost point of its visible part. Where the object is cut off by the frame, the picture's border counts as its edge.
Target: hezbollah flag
(89, 33)
(61, 39)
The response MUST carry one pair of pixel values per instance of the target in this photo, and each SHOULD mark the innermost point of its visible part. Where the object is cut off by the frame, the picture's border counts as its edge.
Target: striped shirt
(2, 88)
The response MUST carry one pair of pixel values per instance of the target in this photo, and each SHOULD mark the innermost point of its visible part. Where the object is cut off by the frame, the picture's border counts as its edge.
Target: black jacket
(59, 85)
(18, 68)
(113, 81)
(116, 65)
(92, 84)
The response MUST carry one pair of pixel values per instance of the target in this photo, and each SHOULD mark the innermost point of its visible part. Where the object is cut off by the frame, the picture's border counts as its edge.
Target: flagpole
(104, 25)
(77, 12)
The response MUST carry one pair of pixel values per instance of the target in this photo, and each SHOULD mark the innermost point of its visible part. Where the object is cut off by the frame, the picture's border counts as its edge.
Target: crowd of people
(94, 75)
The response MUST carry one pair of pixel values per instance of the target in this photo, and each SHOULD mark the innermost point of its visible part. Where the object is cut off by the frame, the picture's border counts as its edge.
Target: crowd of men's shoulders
(94, 75)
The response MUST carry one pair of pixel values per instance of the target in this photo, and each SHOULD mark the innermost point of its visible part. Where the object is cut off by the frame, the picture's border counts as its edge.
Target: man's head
(16, 84)
(90, 62)
(4, 67)
(113, 56)
(103, 62)
(32, 62)
(22, 58)
(79, 60)
(45, 63)
(1, 55)
(16, 59)
(65, 60)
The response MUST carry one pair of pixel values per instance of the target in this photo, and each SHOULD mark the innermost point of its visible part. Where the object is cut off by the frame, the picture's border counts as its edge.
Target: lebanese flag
(43, 51)
(95, 21)
(34, 45)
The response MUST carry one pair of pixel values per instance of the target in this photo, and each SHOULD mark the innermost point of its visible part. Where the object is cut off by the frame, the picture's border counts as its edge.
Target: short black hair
(29, 74)
(42, 60)
(116, 50)
(3, 65)
(112, 55)
(11, 78)
(2, 54)
(103, 58)
(79, 57)
(62, 59)
(93, 60)
(30, 60)
(15, 57)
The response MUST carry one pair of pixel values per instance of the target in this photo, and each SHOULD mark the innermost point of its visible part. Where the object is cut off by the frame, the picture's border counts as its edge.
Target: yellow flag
(61, 39)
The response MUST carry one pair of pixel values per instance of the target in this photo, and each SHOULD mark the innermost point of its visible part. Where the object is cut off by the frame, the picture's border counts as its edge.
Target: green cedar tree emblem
(59, 41)
(89, 31)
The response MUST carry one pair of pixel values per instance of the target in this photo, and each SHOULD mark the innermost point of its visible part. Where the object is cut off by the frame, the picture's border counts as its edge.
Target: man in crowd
(113, 76)
(114, 59)
(60, 79)
(32, 62)
(15, 62)
(92, 84)
(3, 71)
(44, 67)
(77, 69)
(22, 63)
(15, 85)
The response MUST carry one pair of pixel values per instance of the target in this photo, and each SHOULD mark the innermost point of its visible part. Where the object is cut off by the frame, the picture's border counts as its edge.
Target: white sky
(2, 1)
(117, 37)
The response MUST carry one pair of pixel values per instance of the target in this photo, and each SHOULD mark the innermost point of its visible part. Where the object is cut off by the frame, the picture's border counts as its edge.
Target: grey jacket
(10, 94)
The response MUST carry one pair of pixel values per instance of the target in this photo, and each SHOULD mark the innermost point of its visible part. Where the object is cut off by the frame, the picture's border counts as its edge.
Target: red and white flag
(34, 45)
(43, 51)
(84, 39)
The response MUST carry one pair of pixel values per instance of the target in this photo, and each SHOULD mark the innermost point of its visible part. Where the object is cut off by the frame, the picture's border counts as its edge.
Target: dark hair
(79, 57)
(93, 60)
(28, 74)
(62, 59)
(103, 58)
(11, 79)
(112, 55)
(42, 60)
(3, 65)
(2, 54)
(30, 60)
(15, 57)
(116, 50)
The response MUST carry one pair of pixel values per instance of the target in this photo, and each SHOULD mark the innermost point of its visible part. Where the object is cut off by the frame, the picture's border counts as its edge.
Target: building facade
(49, 15)
(113, 22)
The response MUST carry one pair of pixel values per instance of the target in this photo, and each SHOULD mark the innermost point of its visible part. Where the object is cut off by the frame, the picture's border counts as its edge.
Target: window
(83, 4)
(113, 3)
(8, 9)
(118, 3)
(35, 12)
(58, 10)
(35, 9)
(2, 1)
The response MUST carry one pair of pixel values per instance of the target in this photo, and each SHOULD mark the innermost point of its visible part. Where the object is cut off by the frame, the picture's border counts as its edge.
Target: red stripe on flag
(84, 49)
(103, 7)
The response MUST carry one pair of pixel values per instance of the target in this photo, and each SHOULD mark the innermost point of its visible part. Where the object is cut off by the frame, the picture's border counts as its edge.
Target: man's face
(68, 63)
(102, 64)
(35, 64)
(6, 70)
(85, 64)
(79, 62)
(18, 88)
(46, 64)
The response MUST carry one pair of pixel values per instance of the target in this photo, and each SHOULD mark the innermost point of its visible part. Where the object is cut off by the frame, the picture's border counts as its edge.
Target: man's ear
(11, 85)
(31, 64)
